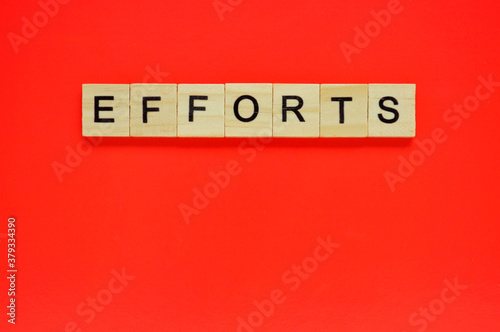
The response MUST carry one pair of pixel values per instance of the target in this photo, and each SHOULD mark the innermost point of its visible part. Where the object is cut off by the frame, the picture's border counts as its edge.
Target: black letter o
(255, 108)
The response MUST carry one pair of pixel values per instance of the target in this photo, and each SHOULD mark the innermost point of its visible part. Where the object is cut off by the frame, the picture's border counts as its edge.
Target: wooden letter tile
(344, 110)
(200, 110)
(296, 110)
(391, 110)
(153, 110)
(105, 109)
(249, 110)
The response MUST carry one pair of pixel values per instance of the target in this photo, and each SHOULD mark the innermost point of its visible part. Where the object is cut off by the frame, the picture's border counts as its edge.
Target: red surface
(118, 208)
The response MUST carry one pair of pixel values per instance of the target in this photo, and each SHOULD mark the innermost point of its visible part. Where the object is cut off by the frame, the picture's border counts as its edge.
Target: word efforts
(249, 110)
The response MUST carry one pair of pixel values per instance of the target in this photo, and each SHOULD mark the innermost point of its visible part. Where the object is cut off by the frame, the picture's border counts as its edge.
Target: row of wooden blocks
(249, 110)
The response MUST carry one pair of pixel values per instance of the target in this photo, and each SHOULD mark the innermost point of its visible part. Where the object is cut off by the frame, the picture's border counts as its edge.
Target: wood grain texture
(261, 124)
(344, 118)
(205, 123)
(292, 126)
(161, 123)
(119, 113)
(400, 97)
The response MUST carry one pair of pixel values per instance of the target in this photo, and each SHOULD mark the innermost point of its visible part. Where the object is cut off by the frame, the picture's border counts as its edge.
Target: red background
(119, 206)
